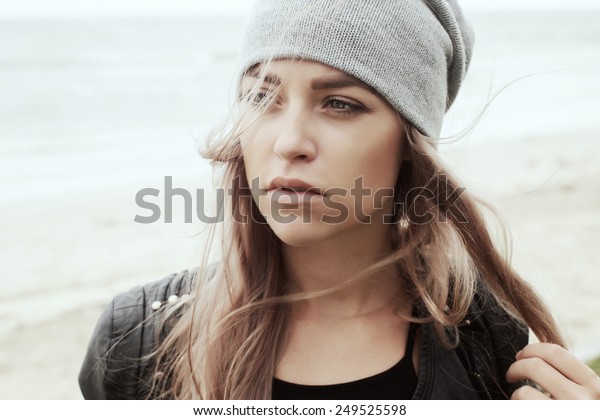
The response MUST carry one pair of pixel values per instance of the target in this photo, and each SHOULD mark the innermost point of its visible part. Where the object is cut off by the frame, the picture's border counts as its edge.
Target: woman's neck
(337, 260)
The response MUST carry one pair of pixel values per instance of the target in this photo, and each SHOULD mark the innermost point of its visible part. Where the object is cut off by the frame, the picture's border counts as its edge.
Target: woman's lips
(290, 196)
(293, 187)
(292, 191)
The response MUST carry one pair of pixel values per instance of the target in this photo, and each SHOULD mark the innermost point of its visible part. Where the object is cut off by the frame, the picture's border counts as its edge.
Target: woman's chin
(299, 234)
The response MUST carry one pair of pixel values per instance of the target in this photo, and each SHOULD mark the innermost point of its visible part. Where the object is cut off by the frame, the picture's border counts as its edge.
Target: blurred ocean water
(62, 75)
(93, 110)
(96, 92)
(88, 87)
(547, 65)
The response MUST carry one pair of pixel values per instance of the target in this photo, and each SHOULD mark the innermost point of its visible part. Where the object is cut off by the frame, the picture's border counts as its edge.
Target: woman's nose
(294, 136)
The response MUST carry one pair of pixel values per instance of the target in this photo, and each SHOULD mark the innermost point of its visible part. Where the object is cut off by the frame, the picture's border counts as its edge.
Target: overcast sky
(115, 8)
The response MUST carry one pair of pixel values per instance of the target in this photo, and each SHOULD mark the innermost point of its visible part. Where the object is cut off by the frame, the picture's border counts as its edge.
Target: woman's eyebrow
(336, 82)
(331, 82)
(269, 77)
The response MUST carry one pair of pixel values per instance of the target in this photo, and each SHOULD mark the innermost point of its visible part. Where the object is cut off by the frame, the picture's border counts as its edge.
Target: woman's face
(323, 158)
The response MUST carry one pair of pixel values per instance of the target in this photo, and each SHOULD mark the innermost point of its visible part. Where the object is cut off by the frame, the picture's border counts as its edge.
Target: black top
(396, 383)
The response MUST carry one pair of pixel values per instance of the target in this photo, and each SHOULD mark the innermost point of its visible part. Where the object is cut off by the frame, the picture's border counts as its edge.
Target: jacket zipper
(482, 383)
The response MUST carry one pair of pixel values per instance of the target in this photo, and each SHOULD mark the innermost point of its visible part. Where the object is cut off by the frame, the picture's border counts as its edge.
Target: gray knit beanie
(415, 53)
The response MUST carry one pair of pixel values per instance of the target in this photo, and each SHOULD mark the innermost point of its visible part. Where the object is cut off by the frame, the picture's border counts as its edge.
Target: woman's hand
(561, 375)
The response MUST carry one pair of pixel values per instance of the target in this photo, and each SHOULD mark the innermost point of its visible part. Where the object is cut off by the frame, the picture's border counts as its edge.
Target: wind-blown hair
(224, 341)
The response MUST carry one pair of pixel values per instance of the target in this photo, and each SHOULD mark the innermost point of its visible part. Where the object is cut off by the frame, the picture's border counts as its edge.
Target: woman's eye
(256, 98)
(343, 107)
(259, 97)
(337, 104)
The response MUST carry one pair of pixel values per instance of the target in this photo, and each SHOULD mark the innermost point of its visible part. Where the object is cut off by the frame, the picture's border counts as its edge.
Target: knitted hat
(415, 53)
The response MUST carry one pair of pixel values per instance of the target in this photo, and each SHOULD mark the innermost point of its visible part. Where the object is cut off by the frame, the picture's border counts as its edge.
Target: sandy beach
(106, 108)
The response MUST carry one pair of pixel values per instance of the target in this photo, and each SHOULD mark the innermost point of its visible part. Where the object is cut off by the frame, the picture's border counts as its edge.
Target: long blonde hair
(224, 342)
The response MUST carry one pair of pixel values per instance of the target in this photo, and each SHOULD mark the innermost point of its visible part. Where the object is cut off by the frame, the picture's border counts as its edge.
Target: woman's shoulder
(475, 354)
(116, 363)
(152, 296)
(492, 320)
(490, 338)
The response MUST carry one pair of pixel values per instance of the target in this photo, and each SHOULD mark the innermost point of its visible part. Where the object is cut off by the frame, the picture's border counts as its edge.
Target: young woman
(354, 266)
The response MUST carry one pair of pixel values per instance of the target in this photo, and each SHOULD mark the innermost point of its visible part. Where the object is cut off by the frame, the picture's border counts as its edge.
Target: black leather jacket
(115, 367)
